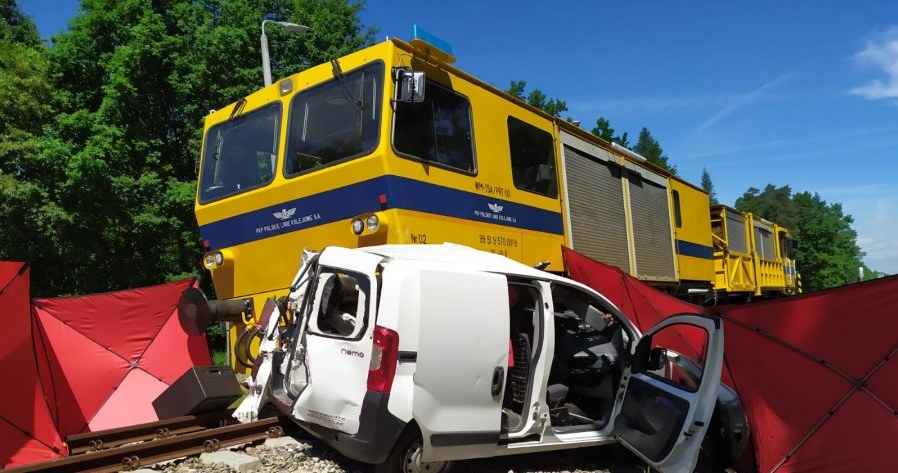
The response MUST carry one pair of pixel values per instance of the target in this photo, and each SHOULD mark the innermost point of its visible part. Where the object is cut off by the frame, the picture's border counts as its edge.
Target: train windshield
(240, 154)
(335, 121)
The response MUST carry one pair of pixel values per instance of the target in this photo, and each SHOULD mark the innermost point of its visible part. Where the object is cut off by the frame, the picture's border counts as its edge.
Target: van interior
(590, 346)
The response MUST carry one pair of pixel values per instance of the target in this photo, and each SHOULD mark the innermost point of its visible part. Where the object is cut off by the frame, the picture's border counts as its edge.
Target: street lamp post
(286, 26)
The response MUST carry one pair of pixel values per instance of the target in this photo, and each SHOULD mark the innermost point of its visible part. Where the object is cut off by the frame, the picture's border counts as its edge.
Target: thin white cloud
(881, 54)
(743, 101)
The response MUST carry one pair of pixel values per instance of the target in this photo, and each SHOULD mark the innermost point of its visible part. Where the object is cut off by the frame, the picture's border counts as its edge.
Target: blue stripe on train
(364, 197)
(687, 248)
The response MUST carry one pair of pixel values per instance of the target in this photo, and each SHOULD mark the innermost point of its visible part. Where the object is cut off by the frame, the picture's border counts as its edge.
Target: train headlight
(373, 222)
(358, 226)
(213, 259)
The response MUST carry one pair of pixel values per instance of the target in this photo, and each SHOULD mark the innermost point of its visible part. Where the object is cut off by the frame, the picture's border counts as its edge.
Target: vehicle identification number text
(491, 189)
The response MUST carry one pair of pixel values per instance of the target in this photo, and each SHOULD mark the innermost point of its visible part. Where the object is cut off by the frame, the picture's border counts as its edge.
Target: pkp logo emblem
(284, 214)
(495, 207)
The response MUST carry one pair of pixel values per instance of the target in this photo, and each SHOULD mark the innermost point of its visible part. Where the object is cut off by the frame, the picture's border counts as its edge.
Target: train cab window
(437, 130)
(532, 158)
(785, 246)
(335, 121)
(240, 154)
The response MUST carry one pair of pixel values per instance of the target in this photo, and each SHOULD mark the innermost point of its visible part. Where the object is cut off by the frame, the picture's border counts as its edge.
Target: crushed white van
(412, 356)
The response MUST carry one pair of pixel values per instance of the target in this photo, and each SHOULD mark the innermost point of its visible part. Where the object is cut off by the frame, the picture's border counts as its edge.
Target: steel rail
(103, 439)
(132, 456)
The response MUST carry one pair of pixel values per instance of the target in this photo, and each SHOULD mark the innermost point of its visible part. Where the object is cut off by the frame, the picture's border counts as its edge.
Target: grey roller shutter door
(764, 241)
(736, 233)
(652, 238)
(596, 202)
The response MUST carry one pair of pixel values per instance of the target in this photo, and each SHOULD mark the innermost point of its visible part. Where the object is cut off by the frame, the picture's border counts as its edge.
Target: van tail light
(384, 357)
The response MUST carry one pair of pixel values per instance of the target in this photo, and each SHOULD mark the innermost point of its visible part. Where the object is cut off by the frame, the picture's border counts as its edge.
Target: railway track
(129, 448)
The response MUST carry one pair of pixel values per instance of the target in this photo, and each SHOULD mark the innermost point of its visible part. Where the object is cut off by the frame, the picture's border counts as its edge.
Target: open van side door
(334, 354)
(658, 415)
(462, 362)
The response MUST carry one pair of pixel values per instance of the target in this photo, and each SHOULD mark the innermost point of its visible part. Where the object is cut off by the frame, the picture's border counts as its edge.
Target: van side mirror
(657, 357)
(646, 358)
(410, 85)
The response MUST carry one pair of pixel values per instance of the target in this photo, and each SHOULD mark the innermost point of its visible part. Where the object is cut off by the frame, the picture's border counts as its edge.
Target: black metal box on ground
(198, 390)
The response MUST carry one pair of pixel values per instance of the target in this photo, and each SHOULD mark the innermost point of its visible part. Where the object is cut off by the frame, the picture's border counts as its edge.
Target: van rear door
(336, 347)
(664, 410)
(461, 362)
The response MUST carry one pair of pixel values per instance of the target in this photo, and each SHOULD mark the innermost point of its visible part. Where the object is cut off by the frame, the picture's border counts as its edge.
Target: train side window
(437, 130)
(678, 215)
(532, 158)
(785, 246)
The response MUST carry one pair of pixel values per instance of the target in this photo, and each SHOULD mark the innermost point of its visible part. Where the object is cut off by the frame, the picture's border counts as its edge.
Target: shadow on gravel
(605, 459)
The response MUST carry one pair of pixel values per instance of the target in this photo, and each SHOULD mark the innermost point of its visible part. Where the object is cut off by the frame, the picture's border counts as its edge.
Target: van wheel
(406, 456)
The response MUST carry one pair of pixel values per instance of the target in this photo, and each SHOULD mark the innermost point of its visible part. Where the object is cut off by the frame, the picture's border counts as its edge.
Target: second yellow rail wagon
(753, 257)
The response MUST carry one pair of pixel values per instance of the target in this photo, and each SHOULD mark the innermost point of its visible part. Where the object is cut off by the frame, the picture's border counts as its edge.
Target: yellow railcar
(752, 256)
(622, 210)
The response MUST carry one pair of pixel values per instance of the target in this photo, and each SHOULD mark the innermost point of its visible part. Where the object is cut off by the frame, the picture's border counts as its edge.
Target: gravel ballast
(305, 454)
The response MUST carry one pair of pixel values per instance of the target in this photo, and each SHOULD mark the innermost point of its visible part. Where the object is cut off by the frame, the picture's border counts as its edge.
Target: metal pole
(266, 63)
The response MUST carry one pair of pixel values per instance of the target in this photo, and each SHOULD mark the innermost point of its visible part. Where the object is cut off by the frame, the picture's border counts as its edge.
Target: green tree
(773, 203)
(603, 130)
(537, 98)
(115, 167)
(708, 186)
(826, 251)
(649, 148)
(29, 217)
(17, 27)
(827, 254)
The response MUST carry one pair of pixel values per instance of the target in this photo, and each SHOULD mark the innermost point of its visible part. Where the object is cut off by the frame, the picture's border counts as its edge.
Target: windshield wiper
(219, 140)
(216, 156)
(238, 108)
(341, 80)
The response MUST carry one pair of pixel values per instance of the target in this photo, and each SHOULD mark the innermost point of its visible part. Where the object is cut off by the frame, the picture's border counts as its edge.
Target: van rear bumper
(378, 431)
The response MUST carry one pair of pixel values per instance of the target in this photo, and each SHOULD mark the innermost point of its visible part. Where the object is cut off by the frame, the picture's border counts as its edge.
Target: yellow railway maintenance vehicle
(392, 144)
(752, 256)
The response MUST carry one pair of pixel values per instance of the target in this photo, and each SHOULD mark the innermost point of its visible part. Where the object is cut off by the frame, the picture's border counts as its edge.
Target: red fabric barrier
(110, 355)
(816, 373)
(27, 429)
(86, 363)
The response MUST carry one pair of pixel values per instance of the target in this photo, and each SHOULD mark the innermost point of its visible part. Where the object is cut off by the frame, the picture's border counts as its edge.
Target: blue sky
(798, 93)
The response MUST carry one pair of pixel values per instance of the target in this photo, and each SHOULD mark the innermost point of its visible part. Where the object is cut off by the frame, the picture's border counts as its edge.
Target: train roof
(561, 123)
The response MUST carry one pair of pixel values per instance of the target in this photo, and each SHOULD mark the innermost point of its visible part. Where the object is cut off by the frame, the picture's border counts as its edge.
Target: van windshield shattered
(241, 153)
(336, 120)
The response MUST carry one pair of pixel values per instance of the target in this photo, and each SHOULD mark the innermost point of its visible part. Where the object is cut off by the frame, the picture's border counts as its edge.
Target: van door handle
(498, 377)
